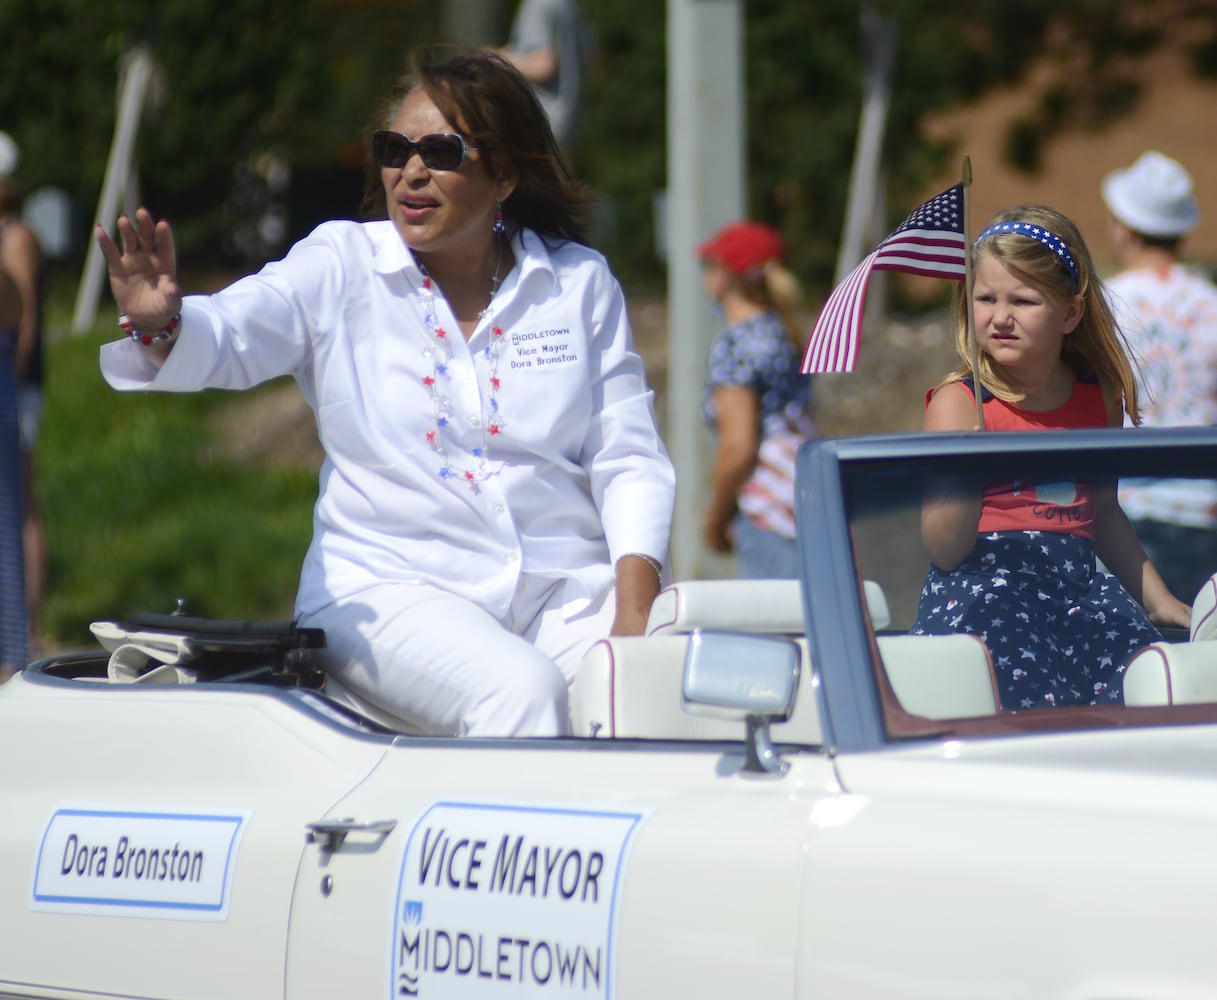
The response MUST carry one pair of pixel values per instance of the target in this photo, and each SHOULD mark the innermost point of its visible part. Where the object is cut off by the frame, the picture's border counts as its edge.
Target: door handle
(330, 833)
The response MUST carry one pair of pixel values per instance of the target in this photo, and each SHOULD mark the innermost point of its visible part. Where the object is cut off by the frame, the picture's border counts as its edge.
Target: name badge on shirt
(541, 349)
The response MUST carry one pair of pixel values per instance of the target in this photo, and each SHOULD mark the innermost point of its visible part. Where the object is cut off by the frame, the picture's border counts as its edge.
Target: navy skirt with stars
(1059, 627)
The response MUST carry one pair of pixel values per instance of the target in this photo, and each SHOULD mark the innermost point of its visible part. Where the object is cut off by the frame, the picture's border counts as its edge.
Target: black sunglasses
(441, 151)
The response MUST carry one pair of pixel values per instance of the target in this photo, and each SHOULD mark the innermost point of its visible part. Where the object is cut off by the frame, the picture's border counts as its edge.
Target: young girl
(1020, 560)
(755, 401)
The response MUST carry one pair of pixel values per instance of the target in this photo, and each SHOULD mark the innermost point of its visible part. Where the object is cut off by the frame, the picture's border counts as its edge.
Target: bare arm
(22, 258)
(950, 513)
(1117, 544)
(538, 65)
(143, 275)
(738, 431)
(637, 585)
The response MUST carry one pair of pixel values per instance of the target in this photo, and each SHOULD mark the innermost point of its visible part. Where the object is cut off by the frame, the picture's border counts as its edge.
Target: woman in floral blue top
(756, 402)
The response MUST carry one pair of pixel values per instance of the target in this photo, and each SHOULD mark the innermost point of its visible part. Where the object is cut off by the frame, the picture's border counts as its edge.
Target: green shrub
(142, 506)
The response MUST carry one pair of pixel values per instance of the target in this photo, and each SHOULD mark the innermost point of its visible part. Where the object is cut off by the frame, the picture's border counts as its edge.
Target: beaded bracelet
(649, 560)
(146, 339)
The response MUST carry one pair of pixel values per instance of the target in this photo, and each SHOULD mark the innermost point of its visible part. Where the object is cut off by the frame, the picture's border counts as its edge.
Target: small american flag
(931, 242)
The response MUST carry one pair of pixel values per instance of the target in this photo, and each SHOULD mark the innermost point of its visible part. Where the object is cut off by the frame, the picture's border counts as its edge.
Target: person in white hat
(1168, 312)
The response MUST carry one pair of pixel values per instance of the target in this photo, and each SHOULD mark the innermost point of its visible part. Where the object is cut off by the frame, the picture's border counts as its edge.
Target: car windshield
(1006, 589)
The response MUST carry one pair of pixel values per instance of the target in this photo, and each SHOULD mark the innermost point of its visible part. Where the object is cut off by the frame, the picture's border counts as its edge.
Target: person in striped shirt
(756, 402)
(1168, 312)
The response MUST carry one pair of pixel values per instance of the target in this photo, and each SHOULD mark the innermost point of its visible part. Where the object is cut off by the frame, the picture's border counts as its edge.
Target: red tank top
(1063, 507)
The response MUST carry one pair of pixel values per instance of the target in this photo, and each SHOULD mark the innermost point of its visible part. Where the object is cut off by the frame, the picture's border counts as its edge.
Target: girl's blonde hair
(1095, 347)
(775, 287)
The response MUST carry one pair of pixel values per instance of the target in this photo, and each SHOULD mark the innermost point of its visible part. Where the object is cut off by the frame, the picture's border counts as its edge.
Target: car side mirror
(752, 678)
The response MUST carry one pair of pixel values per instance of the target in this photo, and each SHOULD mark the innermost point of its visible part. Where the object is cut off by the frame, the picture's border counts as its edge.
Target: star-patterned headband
(1040, 235)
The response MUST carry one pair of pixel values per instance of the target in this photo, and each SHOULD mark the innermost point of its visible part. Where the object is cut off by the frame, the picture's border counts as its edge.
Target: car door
(565, 868)
(151, 837)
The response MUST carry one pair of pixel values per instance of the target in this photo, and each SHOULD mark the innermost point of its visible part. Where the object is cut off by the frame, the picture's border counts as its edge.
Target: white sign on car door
(137, 861)
(509, 897)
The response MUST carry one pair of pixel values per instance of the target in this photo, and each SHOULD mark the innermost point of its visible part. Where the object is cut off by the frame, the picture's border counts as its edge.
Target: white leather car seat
(1204, 611)
(630, 686)
(744, 606)
(941, 676)
(1172, 673)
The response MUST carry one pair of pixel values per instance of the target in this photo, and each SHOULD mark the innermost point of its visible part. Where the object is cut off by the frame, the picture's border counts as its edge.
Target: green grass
(138, 512)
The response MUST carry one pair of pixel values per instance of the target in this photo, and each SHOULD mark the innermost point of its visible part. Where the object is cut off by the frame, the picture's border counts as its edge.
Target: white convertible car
(780, 792)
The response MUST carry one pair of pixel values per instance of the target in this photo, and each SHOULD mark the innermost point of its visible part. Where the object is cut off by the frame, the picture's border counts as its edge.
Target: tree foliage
(299, 78)
(235, 78)
(805, 66)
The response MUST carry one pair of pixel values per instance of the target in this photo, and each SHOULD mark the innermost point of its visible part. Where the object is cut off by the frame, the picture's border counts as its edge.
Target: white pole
(864, 186)
(705, 189)
(133, 86)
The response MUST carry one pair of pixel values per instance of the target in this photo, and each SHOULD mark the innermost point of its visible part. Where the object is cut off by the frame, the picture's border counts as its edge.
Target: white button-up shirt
(584, 475)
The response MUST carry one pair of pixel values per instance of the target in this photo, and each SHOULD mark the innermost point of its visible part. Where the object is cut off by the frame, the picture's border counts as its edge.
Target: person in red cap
(756, 402)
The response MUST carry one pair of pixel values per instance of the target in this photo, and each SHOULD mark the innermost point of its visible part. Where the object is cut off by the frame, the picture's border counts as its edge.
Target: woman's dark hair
(1170, 244)
(496, 109)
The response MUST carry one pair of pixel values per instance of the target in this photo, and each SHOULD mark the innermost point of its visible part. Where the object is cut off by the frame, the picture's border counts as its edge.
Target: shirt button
(499, 508)
(474, 422)
(513, 555)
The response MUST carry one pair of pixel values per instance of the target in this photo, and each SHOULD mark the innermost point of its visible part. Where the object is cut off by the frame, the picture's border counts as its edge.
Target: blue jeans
(13, 637)
(763, 555)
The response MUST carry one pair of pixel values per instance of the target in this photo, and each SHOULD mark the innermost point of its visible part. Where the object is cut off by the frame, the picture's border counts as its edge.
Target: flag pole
(967, 258)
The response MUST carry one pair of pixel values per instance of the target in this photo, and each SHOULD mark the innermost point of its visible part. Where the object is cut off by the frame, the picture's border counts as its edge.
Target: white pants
(420, 659)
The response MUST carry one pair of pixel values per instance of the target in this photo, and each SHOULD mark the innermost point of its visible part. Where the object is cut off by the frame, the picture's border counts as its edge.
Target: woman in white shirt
(495, 495)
